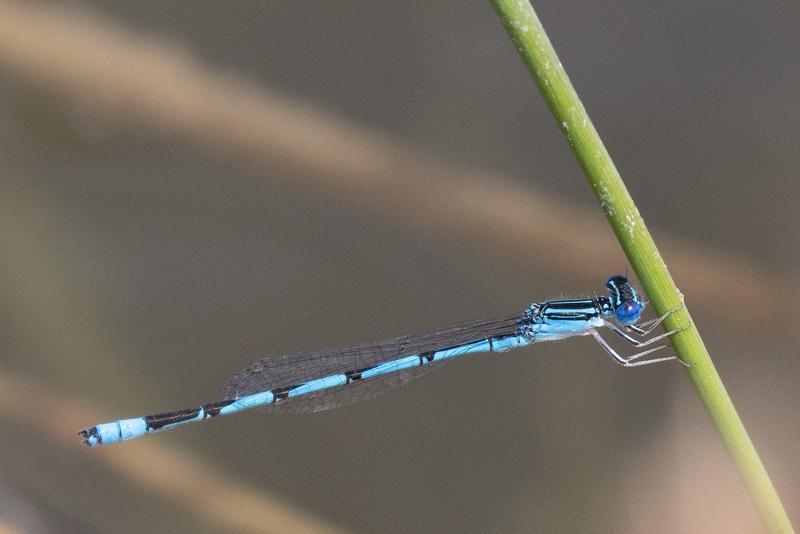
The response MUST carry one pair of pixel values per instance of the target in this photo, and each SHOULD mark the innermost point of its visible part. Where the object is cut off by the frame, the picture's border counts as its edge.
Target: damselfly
(326, 379)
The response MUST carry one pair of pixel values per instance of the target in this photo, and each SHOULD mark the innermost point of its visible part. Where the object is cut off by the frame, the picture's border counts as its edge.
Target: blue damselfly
(326, 379)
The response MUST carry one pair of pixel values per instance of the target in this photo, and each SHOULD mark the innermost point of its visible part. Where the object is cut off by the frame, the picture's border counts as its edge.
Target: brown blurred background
(187, 186)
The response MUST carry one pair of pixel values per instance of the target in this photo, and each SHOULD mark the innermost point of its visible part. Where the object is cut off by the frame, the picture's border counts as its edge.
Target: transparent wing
(290, 371)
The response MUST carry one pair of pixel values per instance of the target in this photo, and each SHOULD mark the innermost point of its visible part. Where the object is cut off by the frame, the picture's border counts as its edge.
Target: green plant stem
(534, 46)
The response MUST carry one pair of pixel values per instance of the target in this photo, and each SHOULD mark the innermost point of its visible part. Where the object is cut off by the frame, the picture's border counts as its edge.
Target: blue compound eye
(628, 312)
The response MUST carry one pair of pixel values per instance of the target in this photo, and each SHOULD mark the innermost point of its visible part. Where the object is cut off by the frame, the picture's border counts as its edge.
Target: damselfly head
(627, 304)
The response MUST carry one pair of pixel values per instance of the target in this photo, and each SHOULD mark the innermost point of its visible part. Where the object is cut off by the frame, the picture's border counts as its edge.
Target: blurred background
(189, 186)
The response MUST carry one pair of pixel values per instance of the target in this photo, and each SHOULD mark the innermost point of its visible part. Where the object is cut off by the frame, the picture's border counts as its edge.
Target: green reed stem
(537, 52)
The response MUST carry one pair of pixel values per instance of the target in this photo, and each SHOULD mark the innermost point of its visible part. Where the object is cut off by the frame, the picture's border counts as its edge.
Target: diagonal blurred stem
(537, 52)
(135, 78)
(174, 475)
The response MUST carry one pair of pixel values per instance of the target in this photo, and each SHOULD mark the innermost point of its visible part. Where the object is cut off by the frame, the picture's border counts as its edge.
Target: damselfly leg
(649, 326)
(630, 360)
(642, 342)
(643, 329)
